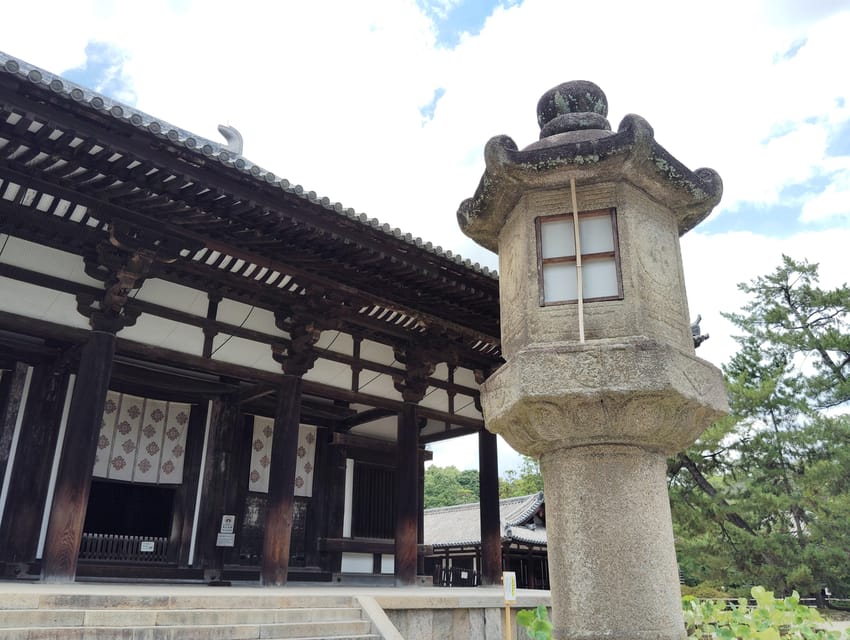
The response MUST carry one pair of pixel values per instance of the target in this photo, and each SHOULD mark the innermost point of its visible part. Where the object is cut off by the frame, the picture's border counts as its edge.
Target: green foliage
(789, 314)
(770, 619)
(764, 496)
(524, 482)
(446, 486)
(535, 622)
(704, 590)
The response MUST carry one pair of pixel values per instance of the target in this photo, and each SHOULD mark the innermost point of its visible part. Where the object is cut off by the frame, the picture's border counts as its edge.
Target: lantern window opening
(557, 266)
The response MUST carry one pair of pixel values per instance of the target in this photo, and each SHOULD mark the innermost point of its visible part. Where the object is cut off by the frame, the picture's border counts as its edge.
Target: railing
(114, 548)
(455, 577)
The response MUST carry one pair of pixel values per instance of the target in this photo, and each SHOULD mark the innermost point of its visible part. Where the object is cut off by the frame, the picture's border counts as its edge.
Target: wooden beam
(364, 417)
(366, 545)
(387, 449)
(225, 181)
(107, 212)
(456, 432)
(254, 392)
(163, 385)
(210, 324)
(62, 333)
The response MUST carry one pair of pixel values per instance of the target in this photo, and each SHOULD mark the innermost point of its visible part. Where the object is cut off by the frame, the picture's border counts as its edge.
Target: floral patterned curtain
(261, 452)
(142, 440)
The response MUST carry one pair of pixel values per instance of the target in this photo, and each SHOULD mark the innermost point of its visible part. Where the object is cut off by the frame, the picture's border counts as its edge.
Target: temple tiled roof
(79, 167)
(459, 525)
(209, 149)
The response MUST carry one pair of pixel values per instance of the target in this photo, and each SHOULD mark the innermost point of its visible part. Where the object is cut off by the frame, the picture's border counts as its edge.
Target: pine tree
(764, 496)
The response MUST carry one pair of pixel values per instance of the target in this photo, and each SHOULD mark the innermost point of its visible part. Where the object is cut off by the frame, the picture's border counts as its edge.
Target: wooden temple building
(453, 537)
(207, 372)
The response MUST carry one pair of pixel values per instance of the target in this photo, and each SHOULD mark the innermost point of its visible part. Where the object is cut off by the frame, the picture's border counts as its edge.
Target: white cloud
(328, 94)
(715, 264)
(832, 203)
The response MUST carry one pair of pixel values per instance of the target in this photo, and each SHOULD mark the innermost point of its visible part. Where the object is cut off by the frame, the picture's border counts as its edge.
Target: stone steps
(121, 617)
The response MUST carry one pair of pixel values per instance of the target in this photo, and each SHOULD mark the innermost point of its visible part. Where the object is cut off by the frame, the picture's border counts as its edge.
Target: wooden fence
(455, 577)
(114, 548)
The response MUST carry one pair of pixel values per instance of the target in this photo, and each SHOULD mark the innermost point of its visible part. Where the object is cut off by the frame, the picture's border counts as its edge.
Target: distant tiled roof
(460, 525)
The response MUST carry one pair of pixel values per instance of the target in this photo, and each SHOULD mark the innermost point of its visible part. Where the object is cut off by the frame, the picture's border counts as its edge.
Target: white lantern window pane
(599, 279)
(559, 282)
(557, 239)
(596, 233)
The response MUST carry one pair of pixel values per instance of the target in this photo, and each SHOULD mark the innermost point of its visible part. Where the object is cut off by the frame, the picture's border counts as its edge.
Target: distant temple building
(207, 372)
(454, 535)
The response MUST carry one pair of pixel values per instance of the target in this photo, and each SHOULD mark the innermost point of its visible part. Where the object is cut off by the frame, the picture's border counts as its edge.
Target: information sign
(225, 540)
(228, 524)
(509, 582)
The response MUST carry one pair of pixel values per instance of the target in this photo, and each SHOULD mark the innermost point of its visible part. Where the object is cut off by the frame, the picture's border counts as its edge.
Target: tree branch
(703, 483)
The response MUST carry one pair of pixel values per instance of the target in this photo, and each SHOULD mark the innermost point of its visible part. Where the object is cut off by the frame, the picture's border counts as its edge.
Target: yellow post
(509, 584)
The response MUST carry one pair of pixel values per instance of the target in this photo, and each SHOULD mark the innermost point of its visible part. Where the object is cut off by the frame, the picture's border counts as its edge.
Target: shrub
(536, 623)
(770, 619)
(703, 590)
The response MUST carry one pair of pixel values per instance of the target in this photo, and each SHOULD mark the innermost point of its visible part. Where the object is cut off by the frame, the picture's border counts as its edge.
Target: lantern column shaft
(620, 573)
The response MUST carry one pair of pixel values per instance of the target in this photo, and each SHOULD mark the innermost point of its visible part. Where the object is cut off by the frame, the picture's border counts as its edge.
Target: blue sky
(102, 70)
(454, 20)
(386, 105)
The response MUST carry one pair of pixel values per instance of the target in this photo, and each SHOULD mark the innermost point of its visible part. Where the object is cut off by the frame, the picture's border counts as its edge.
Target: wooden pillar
(30, 476)
(407, 496)
(237, 491)
(413, 384)
(491, 528)
(219, 475)
(296, 358)
(185, 496)
(12, 386)
(320, 503)
(122, 270)
(73, 479)
(334, 504)
(278, 530)
(420, 516)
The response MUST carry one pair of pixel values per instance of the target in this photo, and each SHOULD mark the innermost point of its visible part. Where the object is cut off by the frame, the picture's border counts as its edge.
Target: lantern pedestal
(602, 418)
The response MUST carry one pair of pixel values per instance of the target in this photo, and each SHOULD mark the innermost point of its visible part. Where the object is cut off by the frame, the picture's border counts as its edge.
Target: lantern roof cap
(576, 141)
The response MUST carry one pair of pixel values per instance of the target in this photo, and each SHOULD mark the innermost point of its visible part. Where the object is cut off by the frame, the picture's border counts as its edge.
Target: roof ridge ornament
(233, 138)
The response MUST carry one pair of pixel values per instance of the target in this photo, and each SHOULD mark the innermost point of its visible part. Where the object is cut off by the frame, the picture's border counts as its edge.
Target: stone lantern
(601, 382)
